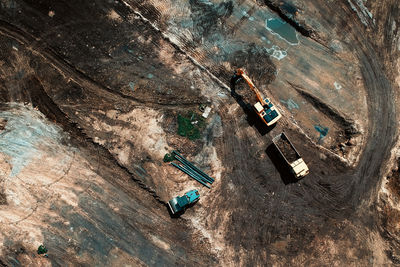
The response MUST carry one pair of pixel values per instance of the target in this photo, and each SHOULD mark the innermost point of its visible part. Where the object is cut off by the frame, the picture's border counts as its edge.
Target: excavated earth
(90, 93)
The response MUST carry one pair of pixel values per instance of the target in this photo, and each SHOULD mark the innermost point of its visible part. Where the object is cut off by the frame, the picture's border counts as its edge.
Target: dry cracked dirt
(90, 95)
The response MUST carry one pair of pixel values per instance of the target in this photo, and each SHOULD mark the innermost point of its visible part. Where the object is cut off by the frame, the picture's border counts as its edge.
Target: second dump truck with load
(290, 155)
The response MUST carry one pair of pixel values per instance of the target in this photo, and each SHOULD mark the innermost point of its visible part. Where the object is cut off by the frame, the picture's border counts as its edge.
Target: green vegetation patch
(191, 125)
(42, 249)
(168, 157)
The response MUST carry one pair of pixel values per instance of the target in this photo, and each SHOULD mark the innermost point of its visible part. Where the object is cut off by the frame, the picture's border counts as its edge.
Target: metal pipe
(190, 174)
(198, 176)
(194, 167)
(195, 174)
(193, 170)
(202, 176)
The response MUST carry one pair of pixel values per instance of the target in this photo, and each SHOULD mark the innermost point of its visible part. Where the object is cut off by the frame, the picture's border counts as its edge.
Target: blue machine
(179, 204)
(270, 112)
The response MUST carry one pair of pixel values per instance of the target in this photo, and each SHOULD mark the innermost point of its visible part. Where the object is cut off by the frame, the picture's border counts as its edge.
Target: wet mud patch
(257, 63)
(3, 198)
(74, 94)
(206, 15)
(289, 8)
(16, 254)
(258, 66)
(394, 182)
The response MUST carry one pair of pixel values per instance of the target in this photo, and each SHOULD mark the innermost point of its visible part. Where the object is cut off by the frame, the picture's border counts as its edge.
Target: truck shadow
(281, 165)
(179, 214)
(251, 116)
(176, 215)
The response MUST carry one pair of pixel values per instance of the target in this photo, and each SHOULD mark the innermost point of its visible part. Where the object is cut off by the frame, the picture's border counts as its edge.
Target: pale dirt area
(47, 197)
(143, 130)
(331, 252)
(48, 178)
(114, 16)
(139, 133)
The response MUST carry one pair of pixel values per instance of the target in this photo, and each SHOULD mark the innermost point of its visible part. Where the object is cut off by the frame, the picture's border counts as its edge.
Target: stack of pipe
(191, 170)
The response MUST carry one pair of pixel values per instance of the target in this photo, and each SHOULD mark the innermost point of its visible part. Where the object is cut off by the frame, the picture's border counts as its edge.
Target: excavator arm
(264, 108)
(241, 73)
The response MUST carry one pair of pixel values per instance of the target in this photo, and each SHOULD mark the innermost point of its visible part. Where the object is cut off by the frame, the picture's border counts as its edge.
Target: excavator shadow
(251, 116)
(282, 167)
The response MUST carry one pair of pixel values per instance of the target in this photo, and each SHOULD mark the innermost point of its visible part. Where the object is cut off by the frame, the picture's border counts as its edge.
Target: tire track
(50, 109)
(37, 47)
(177, 47)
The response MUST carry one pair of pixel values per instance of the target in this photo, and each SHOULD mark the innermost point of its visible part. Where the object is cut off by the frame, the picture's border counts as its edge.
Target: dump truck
(179, 204)
(268, 113)
(286, 149)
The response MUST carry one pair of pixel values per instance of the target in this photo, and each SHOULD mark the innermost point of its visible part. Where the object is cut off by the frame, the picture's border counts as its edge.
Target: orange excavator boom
(240, 72)
(264, 108)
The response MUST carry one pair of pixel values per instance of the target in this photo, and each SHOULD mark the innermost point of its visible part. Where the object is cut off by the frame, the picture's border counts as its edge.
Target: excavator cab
(270, 114)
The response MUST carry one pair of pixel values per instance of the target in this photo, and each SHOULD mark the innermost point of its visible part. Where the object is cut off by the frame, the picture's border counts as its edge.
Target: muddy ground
(90, 95)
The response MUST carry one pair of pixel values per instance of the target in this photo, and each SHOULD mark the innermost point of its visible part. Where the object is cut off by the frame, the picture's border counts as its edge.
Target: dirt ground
(90, 93)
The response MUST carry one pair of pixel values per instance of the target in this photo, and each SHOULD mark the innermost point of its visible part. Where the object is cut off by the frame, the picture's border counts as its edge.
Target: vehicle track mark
(177, 47)
(68, 70)
(347, 124)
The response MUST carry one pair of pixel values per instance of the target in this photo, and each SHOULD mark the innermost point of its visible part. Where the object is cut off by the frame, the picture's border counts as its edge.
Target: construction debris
(206, 112)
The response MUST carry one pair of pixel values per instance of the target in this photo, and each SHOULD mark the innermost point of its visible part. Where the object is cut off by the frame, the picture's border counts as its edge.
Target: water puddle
(284, 30)
(323, 131)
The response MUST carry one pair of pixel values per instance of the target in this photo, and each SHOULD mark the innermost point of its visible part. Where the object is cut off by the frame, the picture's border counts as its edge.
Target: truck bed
(283, 144)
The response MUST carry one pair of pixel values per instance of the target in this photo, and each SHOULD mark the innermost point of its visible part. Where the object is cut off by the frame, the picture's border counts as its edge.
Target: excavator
(264, 108)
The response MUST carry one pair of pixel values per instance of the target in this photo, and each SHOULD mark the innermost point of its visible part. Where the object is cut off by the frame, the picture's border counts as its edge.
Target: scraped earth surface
(90, 94)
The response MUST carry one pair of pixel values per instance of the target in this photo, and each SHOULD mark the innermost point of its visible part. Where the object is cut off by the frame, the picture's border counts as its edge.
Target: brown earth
(90, 94)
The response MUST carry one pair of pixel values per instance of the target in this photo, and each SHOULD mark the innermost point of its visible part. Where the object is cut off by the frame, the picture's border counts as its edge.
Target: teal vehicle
(179, 204)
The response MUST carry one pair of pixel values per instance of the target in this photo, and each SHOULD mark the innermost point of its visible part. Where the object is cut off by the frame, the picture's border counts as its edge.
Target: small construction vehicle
(264, 108)
(179, 204)
(290, 155)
